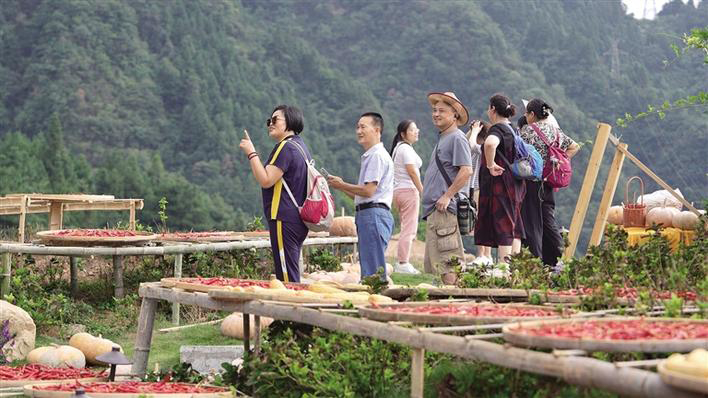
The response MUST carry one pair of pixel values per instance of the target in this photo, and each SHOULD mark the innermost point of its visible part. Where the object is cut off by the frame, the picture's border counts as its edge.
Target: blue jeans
(373, 227)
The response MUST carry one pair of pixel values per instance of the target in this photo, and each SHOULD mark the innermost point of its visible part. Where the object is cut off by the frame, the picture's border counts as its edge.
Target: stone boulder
(22, 327)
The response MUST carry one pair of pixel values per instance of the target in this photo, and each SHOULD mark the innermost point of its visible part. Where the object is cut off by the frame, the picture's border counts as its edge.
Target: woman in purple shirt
(286, 164)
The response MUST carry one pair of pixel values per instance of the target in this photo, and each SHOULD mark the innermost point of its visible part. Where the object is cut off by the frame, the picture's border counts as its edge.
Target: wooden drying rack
(598, 151)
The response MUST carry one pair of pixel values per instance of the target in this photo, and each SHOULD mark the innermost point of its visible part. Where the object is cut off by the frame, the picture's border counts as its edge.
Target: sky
(636, 7)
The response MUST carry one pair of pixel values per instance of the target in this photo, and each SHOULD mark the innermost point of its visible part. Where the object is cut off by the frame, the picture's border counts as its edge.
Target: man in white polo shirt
(372, 194)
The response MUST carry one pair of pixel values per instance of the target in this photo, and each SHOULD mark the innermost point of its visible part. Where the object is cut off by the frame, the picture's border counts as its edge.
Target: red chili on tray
(219, 281)
(632, 329)
(474, 310)
(627, 293)
(98, 233)
(43, 372)
(138, 387)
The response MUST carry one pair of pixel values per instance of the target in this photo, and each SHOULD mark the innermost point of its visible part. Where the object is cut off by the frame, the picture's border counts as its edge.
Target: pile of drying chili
(630, 329)
(487, 310)
(219, 281)
(136, 387)
(43, 372)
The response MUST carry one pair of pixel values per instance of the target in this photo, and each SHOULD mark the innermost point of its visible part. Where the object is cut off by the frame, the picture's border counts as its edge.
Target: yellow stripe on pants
(281, 250)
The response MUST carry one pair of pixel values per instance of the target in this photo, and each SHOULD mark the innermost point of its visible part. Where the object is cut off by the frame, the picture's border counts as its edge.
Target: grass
(412, 280)
(164, 350)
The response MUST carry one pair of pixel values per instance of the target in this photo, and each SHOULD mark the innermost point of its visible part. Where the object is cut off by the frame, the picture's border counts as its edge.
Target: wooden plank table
(574, 369)
(56, 204)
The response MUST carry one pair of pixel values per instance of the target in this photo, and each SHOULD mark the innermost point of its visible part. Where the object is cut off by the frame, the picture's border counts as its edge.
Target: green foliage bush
(324, 260)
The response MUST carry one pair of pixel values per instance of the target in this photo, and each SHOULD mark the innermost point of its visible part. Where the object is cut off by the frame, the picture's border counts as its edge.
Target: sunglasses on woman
(272, 120)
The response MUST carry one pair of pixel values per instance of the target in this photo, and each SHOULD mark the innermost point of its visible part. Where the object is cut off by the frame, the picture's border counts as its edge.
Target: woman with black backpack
(542, 234)
(499, 221)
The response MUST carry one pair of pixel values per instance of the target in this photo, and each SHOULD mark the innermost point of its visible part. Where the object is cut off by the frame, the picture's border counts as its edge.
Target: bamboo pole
(653, 176)
(56, 216)
(131, 216)
(6, 273)
(74, 276)
(23, 219)
(257, 337)
(178, 274)
(417, 372)
(581, 207)
(610, 186)
(155, 250)
(174, 329)
(582, 371)
(143, 337)
(246, 332)
(118, 289)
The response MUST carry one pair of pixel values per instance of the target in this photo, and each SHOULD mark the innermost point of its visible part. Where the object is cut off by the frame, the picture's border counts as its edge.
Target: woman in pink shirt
(407, 189)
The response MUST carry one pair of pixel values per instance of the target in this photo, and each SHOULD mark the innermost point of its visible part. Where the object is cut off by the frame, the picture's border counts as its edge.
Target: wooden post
(118, 290)
(178, 274)
(246, 333)
(5, 276)
(74, 276)
(23, 220)
(143, 337)
(257, 337)
(417, 372)
(56, 215)
(610, 186)
(132, 216)
(581, 207)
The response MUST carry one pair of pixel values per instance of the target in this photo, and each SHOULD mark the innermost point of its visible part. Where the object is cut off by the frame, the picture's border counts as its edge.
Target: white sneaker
(406, 268)
(483, 260)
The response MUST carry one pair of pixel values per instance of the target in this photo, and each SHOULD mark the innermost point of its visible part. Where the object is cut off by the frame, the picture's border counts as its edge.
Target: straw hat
(451, 99)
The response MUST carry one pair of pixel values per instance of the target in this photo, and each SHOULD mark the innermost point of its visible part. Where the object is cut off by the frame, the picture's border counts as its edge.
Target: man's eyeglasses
(272, 120)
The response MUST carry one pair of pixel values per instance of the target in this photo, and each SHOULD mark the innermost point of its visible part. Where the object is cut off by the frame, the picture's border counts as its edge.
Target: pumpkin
(614, 215)
(343, 226)
(685, 220)
(61, 356)
(92, 346)
(659, 216)
(232, 325)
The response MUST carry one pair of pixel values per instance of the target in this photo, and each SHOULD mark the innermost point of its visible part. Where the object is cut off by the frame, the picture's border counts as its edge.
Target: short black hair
(294, 121)
(377, 118)
(539, 108)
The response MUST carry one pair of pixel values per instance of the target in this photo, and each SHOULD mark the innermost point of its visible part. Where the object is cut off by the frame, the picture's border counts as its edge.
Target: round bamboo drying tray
(51, 238)
(380, 314)
(683, 381)
(216, 236)
(24, 382)
(513, 336)
(186, 284)
(31, 392)
(494, 294)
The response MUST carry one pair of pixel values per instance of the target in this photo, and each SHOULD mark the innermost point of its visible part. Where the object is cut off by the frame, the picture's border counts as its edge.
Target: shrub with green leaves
(324, 260)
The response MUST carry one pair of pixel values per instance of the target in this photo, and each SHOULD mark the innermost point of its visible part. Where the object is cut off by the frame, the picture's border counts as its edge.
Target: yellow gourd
(614, 215)
(685, 220)
(232, 325)
(323, 288)
(276, 284)
(62, 356)
(687, 364)
(92, 346)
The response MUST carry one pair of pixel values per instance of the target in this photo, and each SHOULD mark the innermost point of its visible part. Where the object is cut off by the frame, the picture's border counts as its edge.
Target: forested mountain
(141, 98)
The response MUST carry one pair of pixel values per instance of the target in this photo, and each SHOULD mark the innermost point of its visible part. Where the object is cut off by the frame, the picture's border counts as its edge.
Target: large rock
(22, 327)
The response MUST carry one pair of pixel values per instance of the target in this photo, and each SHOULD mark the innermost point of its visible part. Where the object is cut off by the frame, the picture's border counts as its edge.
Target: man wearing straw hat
(442, 235)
